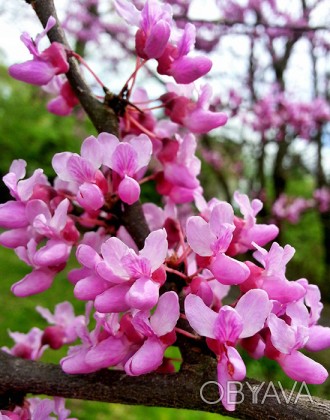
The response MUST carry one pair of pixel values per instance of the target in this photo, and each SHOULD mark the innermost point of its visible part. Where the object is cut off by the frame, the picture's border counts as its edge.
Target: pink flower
(65, 100)
(224, 329)
(159, 332)
(248, 231)
(288, 339)
(212, 239)
(87, 181)
(154, 22)
(134, 279)
(65, 324)
(128, 159)
(176, 63)
(179, 179)
(28, 346)
(272, 279)
(45, 65)
(195, 116)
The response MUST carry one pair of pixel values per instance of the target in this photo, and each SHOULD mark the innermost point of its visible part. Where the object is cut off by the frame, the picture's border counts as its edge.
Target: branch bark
(178, 390)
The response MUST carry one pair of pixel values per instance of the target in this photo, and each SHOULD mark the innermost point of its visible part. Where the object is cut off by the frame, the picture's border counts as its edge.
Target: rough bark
(179, 390)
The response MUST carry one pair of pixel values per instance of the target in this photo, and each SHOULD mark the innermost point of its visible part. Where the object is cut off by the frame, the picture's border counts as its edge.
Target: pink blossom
(224, 329)
(195, 116)
(128, 159)
(65, 324)
(28, 346)
(65, 100)
(45, 65)
(159, 332)
(179, 179)
(212, 239)
(248, 231)
(175, 61)
(154, 22)
(272, 278)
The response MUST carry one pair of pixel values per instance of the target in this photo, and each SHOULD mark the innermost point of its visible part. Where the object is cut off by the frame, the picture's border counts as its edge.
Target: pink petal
(254, 307)
(155, 248)
(303, 369)
(143, 147)
(200, 317)
(157, 39)
(113, 250)
(59, 106)
(108, 143)
(55, 252)
(228, 325)
(112, 300)
(199, 236)
(108, 352)
(319, 338)
(75, 362)
(87, 256)
(201, 121)
(91, 150)
(90, 197)
(221, 213)
(229, 271)
(12, 215)
(141, 362)
(143, 294)
(166, 314)
(15, 238)
(129, 190)
(188, 69)
(35, 72)
(90, 287)
(124, 160)
(60, 165)
(283, 336)
(237, 373)
(36, 282)
(80, 169)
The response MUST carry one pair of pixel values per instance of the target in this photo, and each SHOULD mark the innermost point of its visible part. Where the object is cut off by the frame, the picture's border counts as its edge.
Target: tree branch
(178, 390)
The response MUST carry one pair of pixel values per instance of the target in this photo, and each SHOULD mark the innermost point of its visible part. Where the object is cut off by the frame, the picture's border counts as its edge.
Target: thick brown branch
(179, 390)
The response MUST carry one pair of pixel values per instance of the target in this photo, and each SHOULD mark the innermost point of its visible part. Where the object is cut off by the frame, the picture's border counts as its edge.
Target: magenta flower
(212, 239)
(65, 324)
(159, 332)
(65, 100)
(28, 346)
(45, 65)
(154, 22)
(272, 279)
(288, 339)
(224, 329)
(128, 159)
(181, 167)
(83, 172)
(175, 61)
(248, 231)
(134, 279)
(195, 116)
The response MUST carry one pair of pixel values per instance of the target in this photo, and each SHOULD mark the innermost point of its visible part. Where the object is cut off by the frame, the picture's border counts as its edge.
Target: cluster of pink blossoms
(134, 294)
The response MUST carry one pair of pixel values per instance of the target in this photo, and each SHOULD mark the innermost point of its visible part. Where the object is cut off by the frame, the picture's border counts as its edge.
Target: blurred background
(271, 74)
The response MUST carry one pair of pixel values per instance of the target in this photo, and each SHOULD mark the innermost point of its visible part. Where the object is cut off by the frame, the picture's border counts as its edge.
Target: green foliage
(29, 132)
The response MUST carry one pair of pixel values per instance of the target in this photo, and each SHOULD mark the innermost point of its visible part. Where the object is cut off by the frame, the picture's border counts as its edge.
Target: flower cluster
(177, 283)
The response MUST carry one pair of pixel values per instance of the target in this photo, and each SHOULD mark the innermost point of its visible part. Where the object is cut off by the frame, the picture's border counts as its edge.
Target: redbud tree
(190, 273)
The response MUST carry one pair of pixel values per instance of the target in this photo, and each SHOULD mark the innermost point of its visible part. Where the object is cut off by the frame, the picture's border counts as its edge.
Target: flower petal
(200, 317)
